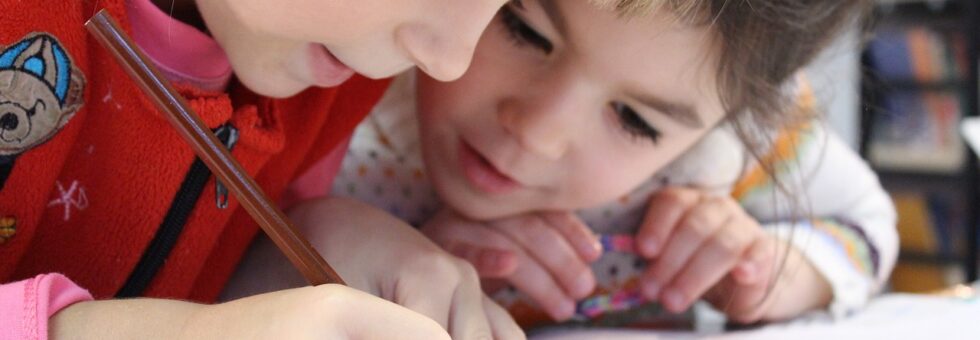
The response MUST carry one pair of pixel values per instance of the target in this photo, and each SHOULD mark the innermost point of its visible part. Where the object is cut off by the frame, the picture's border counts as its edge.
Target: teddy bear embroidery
(40, 91)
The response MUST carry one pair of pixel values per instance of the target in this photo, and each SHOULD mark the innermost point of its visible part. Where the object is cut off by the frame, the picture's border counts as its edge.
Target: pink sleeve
(27, 305)
(316, 181)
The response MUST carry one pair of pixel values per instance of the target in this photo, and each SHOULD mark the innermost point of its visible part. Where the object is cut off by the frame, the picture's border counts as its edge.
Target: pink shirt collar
(183, 53)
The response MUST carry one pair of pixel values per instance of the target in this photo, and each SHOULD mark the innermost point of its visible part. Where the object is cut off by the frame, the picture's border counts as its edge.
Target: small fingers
(746, 299)
(714, 260)
(503, 325)
(582, 239)
(664, 212)
(489, 251)
(749, 303)
(468, 318)
(489, 262)
(432, 294)
(757, 263)
(694, 229)
(535, 282)
(556, 256)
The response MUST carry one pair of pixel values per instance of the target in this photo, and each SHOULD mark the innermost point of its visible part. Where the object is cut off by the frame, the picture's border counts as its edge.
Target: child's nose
(443, 46)
(540, 131)
(442, 55)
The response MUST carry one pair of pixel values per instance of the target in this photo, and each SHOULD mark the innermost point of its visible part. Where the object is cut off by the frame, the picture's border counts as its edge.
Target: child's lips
(482, 174)
(325, 68)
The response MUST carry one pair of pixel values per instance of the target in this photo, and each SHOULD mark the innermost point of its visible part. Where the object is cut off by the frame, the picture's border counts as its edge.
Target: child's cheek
(437, 102)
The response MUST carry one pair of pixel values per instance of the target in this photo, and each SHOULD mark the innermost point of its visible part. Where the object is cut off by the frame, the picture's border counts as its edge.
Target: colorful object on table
(606, 303)
(621, 243)
(617, 301)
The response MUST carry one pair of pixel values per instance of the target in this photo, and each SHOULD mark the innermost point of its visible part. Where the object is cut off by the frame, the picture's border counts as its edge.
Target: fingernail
(749, 271)
(651, 289)
(673, 300)
(565, 310)
(591, 250)
(650, 247)
(594, 248)
(584, 285)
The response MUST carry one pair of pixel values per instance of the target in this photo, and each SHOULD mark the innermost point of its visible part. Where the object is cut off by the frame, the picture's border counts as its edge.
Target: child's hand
(322, 312)
(382, 255)
(693, 240)
(772, 291)
(544, 255)
(704, 246)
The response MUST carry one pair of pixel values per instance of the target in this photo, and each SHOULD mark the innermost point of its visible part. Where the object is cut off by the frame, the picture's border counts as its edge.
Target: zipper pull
(228, 135)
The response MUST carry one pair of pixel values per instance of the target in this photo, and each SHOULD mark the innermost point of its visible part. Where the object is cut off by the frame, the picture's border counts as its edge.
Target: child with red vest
(96, 186)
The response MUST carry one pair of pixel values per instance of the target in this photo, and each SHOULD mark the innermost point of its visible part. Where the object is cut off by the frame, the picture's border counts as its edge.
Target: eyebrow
(682, 113)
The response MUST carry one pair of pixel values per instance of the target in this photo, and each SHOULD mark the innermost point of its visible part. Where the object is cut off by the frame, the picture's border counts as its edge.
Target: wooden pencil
(272, 220)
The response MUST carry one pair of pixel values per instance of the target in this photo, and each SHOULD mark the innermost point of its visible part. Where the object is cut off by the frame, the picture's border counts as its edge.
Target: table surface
(948, 314)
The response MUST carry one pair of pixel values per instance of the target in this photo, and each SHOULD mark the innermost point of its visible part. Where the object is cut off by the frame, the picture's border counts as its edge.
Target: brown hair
(763, 43)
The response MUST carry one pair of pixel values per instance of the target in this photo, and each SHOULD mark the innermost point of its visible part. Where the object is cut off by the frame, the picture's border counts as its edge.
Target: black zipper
(163, 242)
(220, 191)
(6, 166)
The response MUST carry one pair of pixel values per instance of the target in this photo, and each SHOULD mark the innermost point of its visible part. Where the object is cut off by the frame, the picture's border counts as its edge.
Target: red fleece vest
(94, 167)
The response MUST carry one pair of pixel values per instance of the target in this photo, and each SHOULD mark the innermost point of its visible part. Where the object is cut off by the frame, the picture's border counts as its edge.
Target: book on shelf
(915, 128)
(929, 223)
(917, 131)
(918, 53)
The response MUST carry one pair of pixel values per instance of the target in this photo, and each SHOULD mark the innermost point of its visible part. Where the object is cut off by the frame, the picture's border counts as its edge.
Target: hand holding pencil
(451, 297)
(210, 150)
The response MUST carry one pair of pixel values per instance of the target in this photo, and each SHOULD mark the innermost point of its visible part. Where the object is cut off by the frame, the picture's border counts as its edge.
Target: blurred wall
(835, 76)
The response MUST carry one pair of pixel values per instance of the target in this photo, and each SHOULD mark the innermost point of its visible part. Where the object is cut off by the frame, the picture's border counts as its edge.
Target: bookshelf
(972, 172)
(920, 80)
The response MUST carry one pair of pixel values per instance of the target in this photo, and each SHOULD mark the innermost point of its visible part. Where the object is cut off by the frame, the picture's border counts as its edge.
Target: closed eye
(634, 124)
(521, 33)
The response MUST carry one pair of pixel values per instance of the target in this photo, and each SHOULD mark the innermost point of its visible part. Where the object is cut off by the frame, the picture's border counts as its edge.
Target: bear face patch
(40, 91)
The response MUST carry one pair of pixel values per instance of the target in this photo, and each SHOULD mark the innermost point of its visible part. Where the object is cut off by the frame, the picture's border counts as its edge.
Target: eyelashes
(635, 125)
(523, 35)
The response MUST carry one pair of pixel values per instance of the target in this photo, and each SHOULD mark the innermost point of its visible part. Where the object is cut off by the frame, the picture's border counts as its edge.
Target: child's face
(567, 106)
(278, 48)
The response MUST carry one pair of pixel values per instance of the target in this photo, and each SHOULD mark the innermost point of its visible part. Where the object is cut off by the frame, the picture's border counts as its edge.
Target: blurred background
(900, 101)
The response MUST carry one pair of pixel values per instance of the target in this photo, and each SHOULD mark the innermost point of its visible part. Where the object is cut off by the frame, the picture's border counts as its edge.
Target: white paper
(970, 128)
(892, 316)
